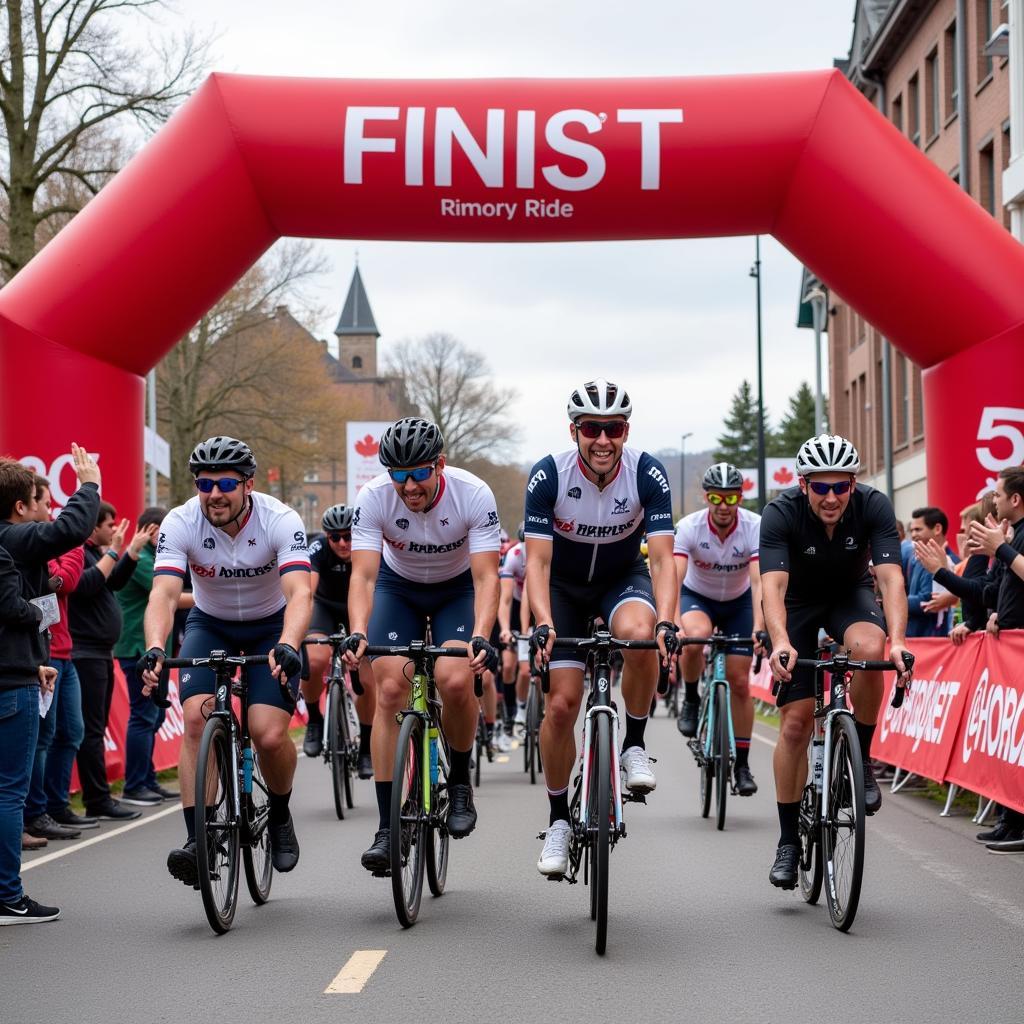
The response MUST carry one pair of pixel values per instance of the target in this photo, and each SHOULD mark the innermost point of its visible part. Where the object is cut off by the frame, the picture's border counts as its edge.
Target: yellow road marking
(356, 972)
(502, 759)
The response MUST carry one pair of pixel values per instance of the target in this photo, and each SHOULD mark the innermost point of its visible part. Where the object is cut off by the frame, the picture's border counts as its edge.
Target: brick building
(924, 64)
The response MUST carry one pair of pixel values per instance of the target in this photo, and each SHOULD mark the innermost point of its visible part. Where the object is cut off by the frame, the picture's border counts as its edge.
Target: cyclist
(514, 615)
(250, 578)
(720, 587)
(586, 512)
(424, 544)
(816, 542)
(331, 562)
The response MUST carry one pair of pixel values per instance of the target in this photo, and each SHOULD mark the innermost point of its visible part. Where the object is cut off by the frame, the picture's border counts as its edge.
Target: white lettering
(414, 145)
(356, 143)
(591, 156)
(650, 122)
(488, 163)
(526, 147)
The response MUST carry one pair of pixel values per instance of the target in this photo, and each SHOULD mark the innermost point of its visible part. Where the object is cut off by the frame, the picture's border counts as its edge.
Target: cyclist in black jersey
(816, 542)
(330, 559)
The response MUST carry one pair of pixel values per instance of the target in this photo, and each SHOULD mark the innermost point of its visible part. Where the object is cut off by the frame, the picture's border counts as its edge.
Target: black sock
(190, 821)
(509, 693)
(692, 692)
(384, 803)
(279, 807)
(865, 733)
(634, 732)
(315, 715)
(789, 824)
(742, 750)
(364, 738)
(458, 770)
(559, 806)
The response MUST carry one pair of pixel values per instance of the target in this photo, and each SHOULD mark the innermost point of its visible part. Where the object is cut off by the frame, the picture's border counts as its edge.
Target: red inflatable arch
(800, 156)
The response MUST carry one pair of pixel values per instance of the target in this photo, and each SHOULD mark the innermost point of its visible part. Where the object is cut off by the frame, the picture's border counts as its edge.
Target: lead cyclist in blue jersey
(587, 510)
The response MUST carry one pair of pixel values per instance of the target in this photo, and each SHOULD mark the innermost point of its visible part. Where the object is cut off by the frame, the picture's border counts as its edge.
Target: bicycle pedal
(635, 798)
(381, 874)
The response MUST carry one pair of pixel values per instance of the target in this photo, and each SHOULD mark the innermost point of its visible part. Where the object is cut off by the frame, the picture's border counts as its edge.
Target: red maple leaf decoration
(748, 484)
(783, 475)
(367, 446)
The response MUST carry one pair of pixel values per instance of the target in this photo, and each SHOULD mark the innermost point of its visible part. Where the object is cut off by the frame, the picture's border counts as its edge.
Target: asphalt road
(695, 929)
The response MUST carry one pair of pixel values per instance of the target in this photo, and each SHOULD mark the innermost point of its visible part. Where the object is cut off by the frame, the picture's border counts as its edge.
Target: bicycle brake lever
(478, 686)
(663, 680)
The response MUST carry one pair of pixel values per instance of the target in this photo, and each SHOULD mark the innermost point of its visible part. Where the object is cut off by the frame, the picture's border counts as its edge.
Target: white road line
(763, 739)
(78, 847)
(356, 972)
(502, 759)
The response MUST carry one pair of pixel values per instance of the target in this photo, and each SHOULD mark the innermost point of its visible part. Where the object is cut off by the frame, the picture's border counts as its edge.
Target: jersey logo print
(209, 543)
(705, 545)
(299, 537)
(444, 522)
(621, 506)
(252, 542)
(402, 524)
(492, 518)
(565, 525)
(850, 543)
(575, 492)
(810, 551)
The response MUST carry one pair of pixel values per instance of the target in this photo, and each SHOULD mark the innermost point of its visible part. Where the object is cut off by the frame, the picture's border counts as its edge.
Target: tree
(738, 443)
(450, 384)
(68, 78)
(798, 422)
(508, 482)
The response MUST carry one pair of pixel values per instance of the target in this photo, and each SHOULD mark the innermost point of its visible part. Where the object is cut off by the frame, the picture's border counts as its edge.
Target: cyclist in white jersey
(514, 616)
(250, 577)
(716, 551)
(586, 512)
(425, 540)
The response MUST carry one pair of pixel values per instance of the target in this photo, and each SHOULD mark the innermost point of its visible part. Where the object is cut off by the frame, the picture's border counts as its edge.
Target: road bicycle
(832, 814)
(419, 795)
(341, 740)
(534, 719)
(230, 785)
(714, 745)
(595, 809)
(482, 748)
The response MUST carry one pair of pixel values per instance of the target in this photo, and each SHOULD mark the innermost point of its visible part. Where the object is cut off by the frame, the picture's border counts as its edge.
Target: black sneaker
(784, 871)
(313, 744)
(141, 798)
(183, 865)
(365, 770)
(44, 827)
(284, 846)
(26, 911)
(164, 793)
(872, 794)
(461, 818)
(112, 811)
(745, 784)
(689, 712)
(996, 835)
(378, 857)
(66, 816)
(1013, 843)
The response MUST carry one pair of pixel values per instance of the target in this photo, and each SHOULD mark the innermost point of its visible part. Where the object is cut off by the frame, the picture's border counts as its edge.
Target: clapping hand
(85, 465)
(985, 538)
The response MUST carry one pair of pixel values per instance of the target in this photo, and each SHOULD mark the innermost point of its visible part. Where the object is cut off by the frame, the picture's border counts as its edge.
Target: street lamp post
(682, 473)
(755, 272)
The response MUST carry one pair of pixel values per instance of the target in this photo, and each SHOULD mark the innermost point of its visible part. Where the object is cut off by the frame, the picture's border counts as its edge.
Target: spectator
(95, 618)
(40, 825)
(25, 649)
(140, 783)
(926, 524)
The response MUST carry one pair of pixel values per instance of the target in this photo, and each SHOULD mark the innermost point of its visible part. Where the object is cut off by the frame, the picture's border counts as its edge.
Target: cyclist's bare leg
(490, 698)
(366, 702)
(522, 681)
(319, 660)
(195, 722)
(461, 708)
(796, 722)
(695, 623)
(392, 691)
(737, 671)
(634, 620)
(866, 641)
(268, 727)
(557, 732)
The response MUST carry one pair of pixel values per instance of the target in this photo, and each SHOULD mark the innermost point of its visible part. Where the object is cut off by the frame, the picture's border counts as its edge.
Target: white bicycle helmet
(827, 453)
(599, 398)
(722, 477)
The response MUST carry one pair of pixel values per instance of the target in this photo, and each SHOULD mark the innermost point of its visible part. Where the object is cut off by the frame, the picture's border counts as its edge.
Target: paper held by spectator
(45, 700)
(49, 609)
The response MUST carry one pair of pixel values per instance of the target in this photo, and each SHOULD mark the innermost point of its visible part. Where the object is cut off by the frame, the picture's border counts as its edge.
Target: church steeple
(357, 331)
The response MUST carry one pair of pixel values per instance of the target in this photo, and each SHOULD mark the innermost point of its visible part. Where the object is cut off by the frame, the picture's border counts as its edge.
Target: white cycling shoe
(502, 743)
(639, 774)
(554, 858)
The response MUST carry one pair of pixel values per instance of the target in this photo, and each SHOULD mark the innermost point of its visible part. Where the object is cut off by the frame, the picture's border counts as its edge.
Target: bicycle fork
(586, 758)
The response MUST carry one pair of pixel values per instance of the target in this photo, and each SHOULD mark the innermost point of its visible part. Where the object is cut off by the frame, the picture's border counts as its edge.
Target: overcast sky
(674, 321)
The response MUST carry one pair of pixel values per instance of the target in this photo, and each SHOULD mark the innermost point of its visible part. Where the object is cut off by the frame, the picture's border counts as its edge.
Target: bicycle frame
(602, 673)
(718, 679)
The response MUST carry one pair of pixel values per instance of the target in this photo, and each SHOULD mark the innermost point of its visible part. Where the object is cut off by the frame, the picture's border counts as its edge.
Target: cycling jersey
(596, 533)
(513, 567)
(794, 540)
(434, 545)
(234, 578)
(334, 575)
(718, 567)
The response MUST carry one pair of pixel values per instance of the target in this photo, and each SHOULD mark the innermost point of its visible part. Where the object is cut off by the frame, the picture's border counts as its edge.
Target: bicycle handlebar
(413, 651)
(718, 640)
(217, 658)
(604, 640)
(334, 641)
(842, 663)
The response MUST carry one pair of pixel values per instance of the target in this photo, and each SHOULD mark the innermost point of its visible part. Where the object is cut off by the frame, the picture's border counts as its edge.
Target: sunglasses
(419, 475)
(592, 429)
(227, 484)
(729, 499)
(821, 488)
(337, 535)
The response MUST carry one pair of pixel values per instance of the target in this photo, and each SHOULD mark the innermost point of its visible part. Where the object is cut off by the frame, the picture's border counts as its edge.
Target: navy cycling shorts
(732, 618)
(204, 633)
(401, 608)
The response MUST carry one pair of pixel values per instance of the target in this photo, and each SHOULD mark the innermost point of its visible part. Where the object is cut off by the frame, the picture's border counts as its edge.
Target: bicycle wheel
(408, 821)
(842, 826)
(532, 733)
(217, 829)
(599, 824)
(259, 868)
(438, 839)
(810, 848)
(480, 745)
(350, 758)
(706, 764)
(336, 752)
(722, 754)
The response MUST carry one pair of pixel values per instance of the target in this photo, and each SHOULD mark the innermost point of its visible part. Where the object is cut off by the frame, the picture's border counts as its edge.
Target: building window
(950, 69)
(1004, 163)
(931, 85)
(984, 35)
(311, 477)
(902, 399)
(897, 112)
(913, 112)
(357, 362)
(987, 177)
(918, 403)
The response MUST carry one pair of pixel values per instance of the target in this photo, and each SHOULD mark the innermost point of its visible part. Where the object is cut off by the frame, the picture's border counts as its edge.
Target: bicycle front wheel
(408, 821)
(217, 828)
(437, 836)
(723, 754)
(599, 826)
(259, 868)
(842, 827)
(810, 847)
(706, 762)
(337, 750)
(532, 732)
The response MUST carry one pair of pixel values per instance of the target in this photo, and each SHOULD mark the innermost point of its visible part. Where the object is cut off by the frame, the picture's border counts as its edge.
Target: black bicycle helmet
(723, 477)
(410, 442)
(216, 453)
(337, 517)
